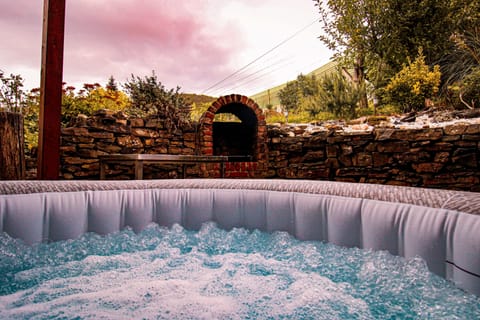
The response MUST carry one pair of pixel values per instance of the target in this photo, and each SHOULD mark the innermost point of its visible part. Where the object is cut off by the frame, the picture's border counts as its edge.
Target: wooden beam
(51, 90)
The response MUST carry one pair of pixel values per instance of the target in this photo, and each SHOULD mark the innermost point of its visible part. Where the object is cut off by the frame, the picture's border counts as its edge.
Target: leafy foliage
(30, 119)
(378, 37)
(149, 97)
(467, 90)
(296, 93)
(199, 103)
(12, 96)
(111, 84)
(409, 88)
(14, 99)
(337, 96)
(308, 98)
(386, 30)
(464, 56)
(90, 99)
(460, 68)
(290, 96)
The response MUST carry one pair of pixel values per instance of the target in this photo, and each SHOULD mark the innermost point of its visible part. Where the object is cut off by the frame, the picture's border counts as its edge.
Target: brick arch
(245, 109)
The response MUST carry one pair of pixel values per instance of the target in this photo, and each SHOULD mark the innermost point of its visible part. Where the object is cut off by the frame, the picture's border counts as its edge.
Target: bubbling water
(173, 273)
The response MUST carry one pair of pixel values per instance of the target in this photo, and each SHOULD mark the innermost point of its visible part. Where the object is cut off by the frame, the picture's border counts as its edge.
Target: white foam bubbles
(214, 274)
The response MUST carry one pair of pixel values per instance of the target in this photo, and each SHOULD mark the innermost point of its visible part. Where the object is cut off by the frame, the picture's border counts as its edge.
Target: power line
(260, 57)
(251, 81)
(279, 64)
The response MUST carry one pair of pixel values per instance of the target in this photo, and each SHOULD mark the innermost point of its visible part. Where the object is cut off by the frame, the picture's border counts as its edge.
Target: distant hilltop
(270, 96)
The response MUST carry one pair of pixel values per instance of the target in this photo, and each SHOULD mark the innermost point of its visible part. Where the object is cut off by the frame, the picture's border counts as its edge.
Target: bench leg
(138, 170)
(102, 170)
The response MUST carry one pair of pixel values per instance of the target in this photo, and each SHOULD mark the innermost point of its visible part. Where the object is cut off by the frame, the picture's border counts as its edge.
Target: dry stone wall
(440, 157)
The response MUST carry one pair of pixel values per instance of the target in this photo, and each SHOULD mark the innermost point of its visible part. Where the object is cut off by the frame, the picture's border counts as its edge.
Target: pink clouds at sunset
(189, 43)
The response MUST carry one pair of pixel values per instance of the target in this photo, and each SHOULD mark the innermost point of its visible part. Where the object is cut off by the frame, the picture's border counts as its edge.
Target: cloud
(21, 34)
(183, 41)
(189, 43)
(172, 38)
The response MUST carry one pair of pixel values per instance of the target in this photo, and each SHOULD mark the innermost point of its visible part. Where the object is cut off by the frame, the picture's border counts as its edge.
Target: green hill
(198, 99)
(270, 96)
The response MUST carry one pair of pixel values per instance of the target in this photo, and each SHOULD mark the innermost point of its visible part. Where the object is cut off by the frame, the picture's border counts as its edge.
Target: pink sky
(190, 43)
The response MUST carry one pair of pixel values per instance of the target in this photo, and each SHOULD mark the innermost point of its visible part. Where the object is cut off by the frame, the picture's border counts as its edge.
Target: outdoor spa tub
(441, 226)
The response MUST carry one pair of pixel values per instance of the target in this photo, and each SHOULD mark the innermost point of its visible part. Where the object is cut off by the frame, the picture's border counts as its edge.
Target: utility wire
(235, 86)
(279, 64)
(263, 55)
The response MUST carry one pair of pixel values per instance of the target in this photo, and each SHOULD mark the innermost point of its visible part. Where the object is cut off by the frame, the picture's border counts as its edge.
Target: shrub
(90, 99)
(415, 83)
(149, 97)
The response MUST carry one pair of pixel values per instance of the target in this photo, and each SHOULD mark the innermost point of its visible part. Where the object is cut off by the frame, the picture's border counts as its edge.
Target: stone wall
(437, 157)
(440, 157)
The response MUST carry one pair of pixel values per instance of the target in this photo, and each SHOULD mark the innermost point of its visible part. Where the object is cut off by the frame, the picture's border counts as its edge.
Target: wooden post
(12, 156)
(51, 90)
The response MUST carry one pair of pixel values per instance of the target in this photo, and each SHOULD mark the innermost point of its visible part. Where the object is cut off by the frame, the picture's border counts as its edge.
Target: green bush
(150, 97)
(415, 83)
(337, 96)
(274, 117)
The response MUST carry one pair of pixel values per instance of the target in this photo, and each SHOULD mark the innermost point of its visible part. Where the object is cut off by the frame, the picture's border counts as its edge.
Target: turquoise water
(172, 273)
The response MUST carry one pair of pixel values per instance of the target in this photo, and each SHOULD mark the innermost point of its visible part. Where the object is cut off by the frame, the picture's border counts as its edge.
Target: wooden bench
(138, 160)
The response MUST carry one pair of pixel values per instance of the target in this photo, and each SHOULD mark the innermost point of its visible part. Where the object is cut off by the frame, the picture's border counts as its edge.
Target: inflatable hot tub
(441, 226)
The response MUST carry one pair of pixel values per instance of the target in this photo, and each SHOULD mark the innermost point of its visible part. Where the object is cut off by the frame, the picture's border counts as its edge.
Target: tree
(12, 103)
(294, 94)
(111, 84)
(373, 35)
(12, 96)
(290, 96)
(336, 95)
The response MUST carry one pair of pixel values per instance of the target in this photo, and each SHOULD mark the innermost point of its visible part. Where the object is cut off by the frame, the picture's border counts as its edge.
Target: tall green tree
(290, 96)
(373, 35)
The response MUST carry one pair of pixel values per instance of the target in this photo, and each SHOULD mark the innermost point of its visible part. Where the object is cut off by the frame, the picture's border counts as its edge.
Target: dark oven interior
(236, 139)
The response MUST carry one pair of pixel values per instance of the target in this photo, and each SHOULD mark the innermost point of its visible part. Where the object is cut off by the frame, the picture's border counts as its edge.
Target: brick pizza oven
(243, 141)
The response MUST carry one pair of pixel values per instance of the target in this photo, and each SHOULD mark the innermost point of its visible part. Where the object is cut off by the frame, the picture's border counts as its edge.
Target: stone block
(473, 129)
(394, 147)
(129, 141)
(467, 160)
(314, 156)
(146, 133)
(101, 135)
(430, 167)
(137, 122)
(381, 159)
(442, 157)
(455, 129)
(362, 159)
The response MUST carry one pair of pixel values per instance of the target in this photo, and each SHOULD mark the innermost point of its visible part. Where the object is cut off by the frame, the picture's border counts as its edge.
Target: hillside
(270, 96)
(198, 99)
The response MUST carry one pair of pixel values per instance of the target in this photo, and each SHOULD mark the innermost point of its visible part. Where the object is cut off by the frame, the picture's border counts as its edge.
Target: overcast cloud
(189, 43)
